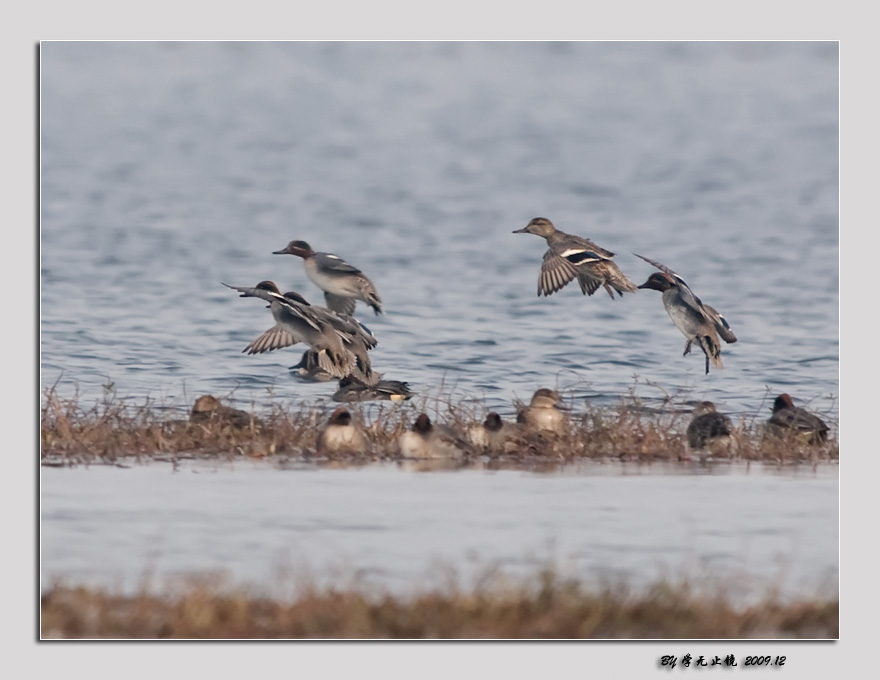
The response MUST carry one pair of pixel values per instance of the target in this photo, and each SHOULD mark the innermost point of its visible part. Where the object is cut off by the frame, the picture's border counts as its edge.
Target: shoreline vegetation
(546, 606)
(116, 431)
(113, 429)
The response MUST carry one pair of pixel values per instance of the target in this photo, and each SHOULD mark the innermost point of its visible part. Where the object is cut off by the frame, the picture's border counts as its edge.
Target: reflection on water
(391, 526)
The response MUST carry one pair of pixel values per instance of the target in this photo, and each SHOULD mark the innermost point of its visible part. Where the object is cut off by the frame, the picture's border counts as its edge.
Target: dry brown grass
(547, 608)
(113, 429)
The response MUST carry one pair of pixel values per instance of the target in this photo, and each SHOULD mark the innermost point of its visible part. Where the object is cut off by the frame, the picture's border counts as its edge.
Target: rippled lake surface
(167, 168)
(752, 529)
(170, 167)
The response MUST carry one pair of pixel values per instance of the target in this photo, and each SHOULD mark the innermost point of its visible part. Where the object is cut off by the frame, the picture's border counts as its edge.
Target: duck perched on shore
(543, 412)
(708, 427)
(572, 257)
(341, 436)
(788, 419)
(698, 322)
(427, 440)
(341, 282)
(209, 409)
(339, 341)
(496, 435)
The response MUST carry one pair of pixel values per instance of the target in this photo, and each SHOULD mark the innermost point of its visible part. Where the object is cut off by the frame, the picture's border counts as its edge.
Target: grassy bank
(110, 429)
(547, 607)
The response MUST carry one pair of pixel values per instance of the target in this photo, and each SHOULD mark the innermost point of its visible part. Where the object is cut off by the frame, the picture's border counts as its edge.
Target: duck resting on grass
(788, 419)
(543, 412)
(708, 427)
(340, 435)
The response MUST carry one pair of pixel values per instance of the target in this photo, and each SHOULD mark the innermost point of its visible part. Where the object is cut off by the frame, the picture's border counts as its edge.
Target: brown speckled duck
(570, 257)
(708, 427)
(543, 412)
(208, 409)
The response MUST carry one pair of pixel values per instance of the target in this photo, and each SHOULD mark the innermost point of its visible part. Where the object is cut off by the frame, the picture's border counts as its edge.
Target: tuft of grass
(545, 607)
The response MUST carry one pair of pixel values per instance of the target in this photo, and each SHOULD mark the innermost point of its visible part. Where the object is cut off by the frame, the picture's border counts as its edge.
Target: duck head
(296, 297)
(540, 226)
(268, 286)
(340, 416)
(493, 422)
(781, 402)
(703, 407)
(422, 424)
(300, 248)
(659, 281)
(545, 398)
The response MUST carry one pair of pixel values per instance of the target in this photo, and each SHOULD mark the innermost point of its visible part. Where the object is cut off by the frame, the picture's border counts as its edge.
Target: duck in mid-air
(570, 257)
(698, 322)
(341, 282)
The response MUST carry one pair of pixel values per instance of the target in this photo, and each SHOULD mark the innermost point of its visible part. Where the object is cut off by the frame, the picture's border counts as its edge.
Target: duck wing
(276, 337)
(286, 303)
(334, 264)
(720, 323)
(556, 273)
(340, 304)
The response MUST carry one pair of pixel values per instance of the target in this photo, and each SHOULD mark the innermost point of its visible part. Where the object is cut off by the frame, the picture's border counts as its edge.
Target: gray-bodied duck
(340, 342)
(427, 440)
(790, 419)
(341, 282)
(570, 257)
(698, 322)
(340, 435)
(496, 435)
(351, 389)
(309, 370)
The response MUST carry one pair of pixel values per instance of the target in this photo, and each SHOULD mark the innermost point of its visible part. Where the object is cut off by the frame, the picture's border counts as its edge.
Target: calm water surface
(167, 168)
(752, 528)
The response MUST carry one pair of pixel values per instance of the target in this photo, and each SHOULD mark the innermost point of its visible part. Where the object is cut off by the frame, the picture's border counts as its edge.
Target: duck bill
(524, 230)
